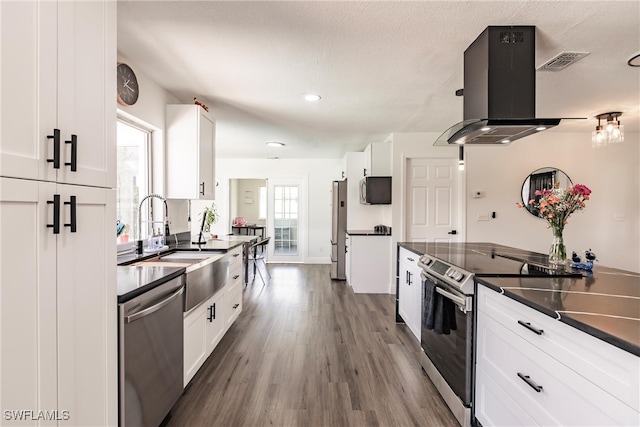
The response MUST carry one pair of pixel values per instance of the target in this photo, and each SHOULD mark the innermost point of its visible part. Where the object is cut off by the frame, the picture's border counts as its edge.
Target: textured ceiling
(380, 67)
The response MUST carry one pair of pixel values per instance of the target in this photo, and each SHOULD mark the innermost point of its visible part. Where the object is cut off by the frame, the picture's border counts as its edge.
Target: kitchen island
(549, 348)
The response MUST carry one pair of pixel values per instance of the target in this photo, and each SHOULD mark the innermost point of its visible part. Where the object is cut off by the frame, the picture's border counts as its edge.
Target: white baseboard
(318, 260)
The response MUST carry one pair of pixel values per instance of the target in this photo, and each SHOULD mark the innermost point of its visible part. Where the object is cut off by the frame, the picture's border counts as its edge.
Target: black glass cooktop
(493, 260)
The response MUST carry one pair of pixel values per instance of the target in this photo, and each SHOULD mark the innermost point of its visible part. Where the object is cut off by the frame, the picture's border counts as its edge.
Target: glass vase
(557, 252)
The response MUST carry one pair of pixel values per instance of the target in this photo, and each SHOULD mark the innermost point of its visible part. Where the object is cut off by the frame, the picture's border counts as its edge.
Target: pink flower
(582, 190)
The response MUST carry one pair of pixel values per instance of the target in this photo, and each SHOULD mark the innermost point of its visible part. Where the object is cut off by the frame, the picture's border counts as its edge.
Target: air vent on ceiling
(562, 60)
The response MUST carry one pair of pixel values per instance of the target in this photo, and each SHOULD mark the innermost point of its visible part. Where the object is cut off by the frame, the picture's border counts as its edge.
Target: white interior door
(432, 213)
(287, 219)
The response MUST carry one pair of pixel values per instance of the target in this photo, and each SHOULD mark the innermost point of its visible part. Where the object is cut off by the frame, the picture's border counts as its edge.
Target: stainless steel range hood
(499, 89)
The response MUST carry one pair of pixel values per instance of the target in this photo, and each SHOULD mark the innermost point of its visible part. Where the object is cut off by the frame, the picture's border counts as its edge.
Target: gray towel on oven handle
(428, 304)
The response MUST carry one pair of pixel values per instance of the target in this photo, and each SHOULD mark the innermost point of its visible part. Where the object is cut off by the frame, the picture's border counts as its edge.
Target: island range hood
(499, 89)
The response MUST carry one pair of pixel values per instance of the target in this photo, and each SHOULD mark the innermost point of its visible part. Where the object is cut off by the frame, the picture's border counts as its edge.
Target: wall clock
(127, 84)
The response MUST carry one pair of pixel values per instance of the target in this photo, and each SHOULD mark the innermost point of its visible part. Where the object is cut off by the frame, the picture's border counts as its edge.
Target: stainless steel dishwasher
(150, 335)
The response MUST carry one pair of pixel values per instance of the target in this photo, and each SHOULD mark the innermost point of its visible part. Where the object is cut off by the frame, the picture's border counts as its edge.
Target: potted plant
(210, 217)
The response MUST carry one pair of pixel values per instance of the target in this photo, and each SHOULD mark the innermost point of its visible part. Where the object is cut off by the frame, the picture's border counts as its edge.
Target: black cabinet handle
(212, 314)
(343, 174)
(72, 223)
(530, 382)
(213, 311)
(235, 255)
(56, 213)
(235, 306)
(411, 259)
(74, 153)
(202, 188)
(452, 232)
(409, 278)
(56, 149)
(531, 328)
(236, 276)
(365, 172)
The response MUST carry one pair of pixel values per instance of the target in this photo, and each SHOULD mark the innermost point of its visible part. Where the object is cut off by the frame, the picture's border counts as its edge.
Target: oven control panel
(450, 274)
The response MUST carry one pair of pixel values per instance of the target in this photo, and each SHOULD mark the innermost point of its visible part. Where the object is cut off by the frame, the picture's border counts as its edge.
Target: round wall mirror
(539, 180)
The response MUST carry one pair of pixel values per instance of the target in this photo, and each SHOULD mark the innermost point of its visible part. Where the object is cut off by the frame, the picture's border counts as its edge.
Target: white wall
(319, 172)
(149, 111)
(610, 172)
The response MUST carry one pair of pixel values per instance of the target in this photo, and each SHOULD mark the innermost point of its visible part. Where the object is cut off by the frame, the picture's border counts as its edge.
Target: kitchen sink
(206, 274)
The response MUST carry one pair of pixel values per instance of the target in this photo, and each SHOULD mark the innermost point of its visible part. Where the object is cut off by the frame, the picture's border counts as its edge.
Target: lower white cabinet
(204, 327)
(369, 264)
(410, 290)
(534, 370)
(58, 335)
(206, 324)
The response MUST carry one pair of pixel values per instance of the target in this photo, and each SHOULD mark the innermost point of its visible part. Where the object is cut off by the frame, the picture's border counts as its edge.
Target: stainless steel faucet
(166, 215)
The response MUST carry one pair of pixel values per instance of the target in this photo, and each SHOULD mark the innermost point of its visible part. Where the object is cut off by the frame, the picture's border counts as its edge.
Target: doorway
(286, 219)
(432, 201)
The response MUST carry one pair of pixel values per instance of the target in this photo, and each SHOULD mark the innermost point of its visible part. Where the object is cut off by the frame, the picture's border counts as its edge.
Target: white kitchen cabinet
(58, 72)
(370, 264)
(204, 327)
(410, 290)
(58, 335)
(378, 157)
(190, 153)
(555, 376)
(347, 259)
(58, 319)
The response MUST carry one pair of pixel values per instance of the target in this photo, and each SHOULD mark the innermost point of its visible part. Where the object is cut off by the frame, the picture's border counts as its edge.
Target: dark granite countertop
(223, 244)
(604, 304)
(133, 281)
(367, 233)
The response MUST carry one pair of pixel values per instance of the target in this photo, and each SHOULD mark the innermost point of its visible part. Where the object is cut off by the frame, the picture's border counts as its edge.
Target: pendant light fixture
(611, 133)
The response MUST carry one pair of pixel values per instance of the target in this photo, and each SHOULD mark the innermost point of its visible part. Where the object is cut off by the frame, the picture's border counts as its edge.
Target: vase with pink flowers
(555, 205)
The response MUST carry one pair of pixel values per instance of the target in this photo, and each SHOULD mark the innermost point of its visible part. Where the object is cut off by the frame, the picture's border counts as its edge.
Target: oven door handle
(465, 304)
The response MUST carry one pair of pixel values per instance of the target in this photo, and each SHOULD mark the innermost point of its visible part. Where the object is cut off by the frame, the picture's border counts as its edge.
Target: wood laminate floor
(307, 351)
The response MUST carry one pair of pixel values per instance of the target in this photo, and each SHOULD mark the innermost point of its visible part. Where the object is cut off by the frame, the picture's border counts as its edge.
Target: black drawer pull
(72, 223)
(236, 306)
(236, 276)
(410, 259)
(202, 188)
(235, 255)
(530, 382)
(56, 213)
(74, 153)
(56, 148)
(531, 328)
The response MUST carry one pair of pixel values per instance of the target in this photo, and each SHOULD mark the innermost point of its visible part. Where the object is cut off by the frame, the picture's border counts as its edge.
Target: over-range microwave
(375, 190)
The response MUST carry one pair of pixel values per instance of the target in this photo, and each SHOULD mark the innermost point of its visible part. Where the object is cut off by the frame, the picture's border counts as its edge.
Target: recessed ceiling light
(541, 128)
(485, 129)
(275, 144)
(311, 97)
(505, 141)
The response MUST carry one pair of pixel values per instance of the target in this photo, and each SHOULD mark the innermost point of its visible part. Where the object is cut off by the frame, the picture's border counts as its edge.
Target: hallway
(307, 351)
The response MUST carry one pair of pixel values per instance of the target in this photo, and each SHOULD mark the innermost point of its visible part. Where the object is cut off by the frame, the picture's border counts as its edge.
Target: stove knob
(458, 277)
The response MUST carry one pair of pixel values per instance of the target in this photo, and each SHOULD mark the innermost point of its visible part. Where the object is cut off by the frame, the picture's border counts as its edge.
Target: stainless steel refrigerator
(338, 229)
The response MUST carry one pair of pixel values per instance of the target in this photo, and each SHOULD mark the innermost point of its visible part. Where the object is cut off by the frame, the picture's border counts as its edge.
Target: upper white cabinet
(57, 84)
(378, 158)
(190, 153)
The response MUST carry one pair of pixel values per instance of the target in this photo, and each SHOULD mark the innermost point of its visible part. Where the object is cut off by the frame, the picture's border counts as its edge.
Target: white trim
(318, 260)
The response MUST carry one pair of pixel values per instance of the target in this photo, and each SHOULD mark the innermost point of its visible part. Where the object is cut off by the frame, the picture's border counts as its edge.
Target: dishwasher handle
(155, 307)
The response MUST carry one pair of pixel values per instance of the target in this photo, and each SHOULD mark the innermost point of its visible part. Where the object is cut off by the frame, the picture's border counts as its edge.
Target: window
(133, 173)
(262, 208)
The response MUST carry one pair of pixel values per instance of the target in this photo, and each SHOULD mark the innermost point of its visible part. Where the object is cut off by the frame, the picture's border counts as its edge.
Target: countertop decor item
(555, 206)
(210, 217)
